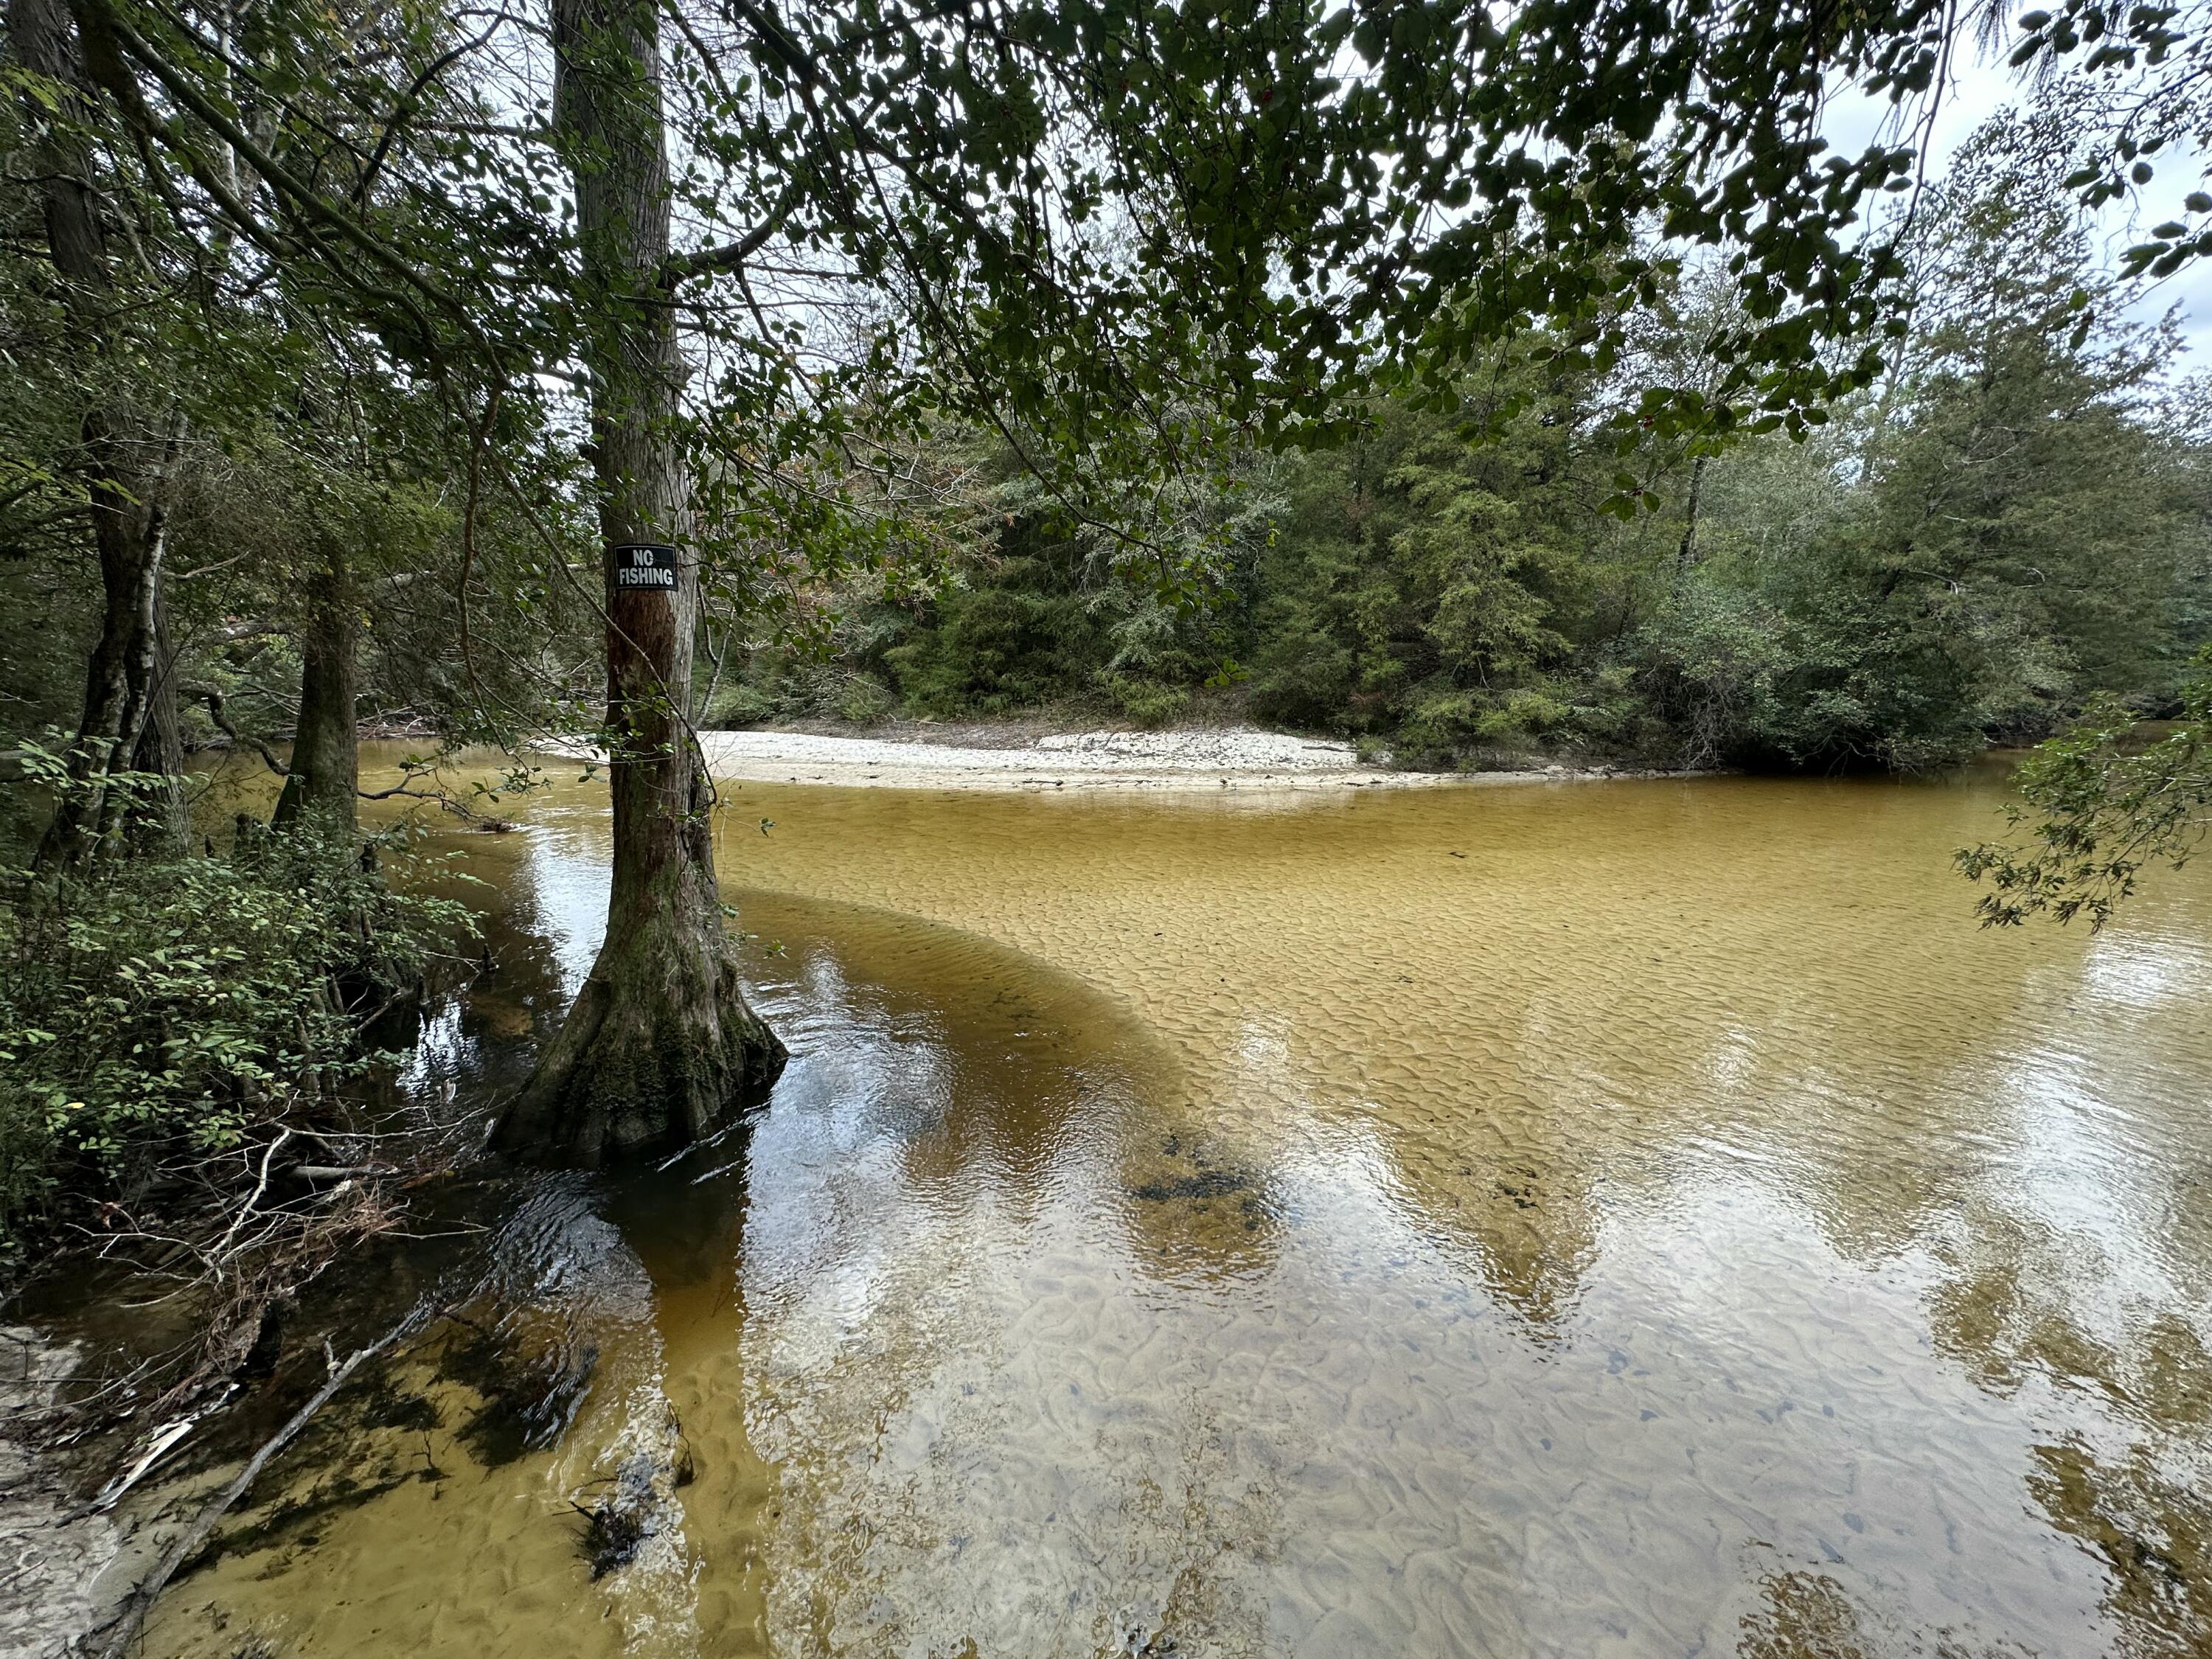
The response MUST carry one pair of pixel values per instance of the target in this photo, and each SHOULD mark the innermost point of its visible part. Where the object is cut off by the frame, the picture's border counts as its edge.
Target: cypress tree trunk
(660, 1047)
(322, 782)
(125, 459)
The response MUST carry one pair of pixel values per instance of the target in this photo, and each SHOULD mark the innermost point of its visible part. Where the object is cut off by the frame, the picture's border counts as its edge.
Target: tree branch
(304, 199)
(682, 267)
(125, 1629)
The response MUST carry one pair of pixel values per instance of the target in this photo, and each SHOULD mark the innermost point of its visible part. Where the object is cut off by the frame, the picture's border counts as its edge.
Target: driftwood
(123, 1629)
(342, 1171)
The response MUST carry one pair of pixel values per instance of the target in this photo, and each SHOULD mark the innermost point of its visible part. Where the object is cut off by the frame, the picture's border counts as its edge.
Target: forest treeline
(2016, 518)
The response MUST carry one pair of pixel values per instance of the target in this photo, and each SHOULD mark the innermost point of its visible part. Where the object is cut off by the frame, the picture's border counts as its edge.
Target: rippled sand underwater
(1628, 1218)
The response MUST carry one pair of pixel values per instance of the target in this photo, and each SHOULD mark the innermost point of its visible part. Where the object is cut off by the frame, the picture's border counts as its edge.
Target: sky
(1978, 91)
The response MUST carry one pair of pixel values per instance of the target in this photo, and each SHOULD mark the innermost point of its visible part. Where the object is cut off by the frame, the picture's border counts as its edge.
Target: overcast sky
(1978, 91)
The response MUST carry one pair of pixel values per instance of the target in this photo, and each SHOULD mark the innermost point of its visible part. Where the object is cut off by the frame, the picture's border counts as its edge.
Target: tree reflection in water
(1252, 1228)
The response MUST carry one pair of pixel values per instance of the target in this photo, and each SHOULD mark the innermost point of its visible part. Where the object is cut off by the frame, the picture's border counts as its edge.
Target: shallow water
(1626, 1219)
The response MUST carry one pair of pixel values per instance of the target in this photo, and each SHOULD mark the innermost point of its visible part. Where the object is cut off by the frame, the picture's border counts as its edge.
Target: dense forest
(2015, 517)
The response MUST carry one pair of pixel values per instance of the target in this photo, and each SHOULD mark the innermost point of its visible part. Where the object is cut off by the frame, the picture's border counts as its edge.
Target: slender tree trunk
(321, 785)
(158, 821)
(124, 459)
(1687, 553)
(660, 1047)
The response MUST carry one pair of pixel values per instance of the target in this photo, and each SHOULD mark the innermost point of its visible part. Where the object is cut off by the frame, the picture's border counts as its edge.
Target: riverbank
(925, 756)
(53, 1552)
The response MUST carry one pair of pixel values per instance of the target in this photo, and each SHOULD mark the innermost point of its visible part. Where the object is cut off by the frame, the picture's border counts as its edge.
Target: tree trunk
(659, 1048)
(124, 463)
(158, 820)
(322, 782)
(1687, 553)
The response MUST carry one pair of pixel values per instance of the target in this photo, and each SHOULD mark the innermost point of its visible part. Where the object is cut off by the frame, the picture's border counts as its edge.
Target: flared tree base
(659, 1050)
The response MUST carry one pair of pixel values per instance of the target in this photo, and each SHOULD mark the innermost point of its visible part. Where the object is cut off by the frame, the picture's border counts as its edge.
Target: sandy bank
(51, 1553)
(1228, 758)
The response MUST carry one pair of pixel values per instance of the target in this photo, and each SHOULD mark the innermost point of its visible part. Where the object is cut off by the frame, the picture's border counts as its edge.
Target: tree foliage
(160, 1013)
(2105, 806)
(2012, 520)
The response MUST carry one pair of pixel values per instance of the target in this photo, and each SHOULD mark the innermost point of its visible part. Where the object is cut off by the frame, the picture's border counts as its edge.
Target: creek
(1635, 1218)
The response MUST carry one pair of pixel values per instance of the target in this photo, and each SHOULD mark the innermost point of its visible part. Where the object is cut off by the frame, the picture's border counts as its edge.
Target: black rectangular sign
(645, 564)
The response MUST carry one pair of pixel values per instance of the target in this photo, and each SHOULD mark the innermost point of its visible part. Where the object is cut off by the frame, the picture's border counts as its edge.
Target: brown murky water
(1630, 1219)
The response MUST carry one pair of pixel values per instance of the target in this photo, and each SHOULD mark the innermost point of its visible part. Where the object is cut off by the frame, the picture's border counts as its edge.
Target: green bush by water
(155, 1010)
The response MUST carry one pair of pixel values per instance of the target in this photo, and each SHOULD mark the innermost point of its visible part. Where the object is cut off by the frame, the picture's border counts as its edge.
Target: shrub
(158, 1008)
(864, 700)
(738, 705)
(1149, 704)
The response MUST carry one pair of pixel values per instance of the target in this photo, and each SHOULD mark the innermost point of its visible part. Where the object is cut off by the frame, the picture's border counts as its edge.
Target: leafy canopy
(1121, 233)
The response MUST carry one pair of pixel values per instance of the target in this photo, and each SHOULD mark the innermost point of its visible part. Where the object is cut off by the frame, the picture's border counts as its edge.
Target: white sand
(51, 1554)
(1209, 759)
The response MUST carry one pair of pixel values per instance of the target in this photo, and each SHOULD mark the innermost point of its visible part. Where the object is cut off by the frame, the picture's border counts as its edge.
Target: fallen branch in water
(214, 699)
(459, 809)
(245, 1232)
(131, 1615)
(260, 1186)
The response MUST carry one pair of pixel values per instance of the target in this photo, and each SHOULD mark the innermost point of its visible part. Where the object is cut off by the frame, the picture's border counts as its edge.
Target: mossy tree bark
(660, 1046)
(322, 782)
(125, 461)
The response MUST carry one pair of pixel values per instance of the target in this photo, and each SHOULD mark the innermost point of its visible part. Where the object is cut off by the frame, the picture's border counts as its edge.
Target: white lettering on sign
(647, 565)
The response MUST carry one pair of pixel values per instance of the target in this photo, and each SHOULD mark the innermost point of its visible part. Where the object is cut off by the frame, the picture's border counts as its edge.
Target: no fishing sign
(645, 564)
